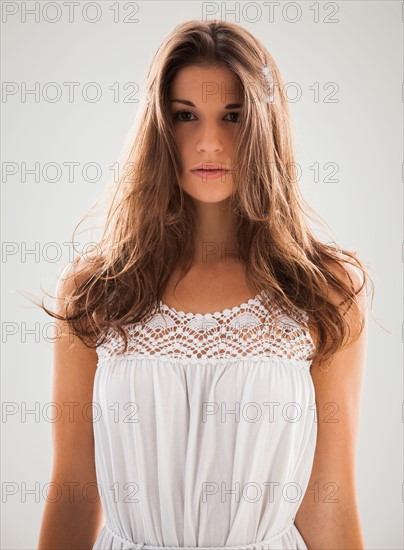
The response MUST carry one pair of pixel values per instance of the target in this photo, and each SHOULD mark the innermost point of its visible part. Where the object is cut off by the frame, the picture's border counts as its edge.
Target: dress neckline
(255, 301)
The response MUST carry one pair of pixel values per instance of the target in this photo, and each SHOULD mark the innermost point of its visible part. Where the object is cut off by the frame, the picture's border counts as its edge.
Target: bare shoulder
(74, 274)
(345, 271)
(355, 315)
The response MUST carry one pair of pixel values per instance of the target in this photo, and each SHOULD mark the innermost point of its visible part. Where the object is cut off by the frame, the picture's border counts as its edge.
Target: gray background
(361, 133)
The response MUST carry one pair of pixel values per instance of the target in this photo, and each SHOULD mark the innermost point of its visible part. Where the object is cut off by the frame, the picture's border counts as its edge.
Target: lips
(209, 174)
(209, 170)
(206, 166)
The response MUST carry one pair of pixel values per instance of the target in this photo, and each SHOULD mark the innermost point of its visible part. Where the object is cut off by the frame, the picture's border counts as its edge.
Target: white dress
(205, 429)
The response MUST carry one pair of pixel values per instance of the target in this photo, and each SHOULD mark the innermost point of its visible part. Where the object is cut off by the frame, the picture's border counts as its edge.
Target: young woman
(222, 345)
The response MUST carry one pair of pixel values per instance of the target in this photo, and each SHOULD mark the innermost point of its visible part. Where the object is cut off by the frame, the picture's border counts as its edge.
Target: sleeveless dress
(205, 429)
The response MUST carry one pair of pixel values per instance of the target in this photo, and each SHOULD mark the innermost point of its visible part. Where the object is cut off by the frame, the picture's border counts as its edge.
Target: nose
(209, 138)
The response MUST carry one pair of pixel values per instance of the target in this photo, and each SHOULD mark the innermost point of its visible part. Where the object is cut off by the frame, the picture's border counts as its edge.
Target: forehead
(202, 84)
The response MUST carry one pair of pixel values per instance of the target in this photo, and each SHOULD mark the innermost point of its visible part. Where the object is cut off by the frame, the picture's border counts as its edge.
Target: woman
(202, 326)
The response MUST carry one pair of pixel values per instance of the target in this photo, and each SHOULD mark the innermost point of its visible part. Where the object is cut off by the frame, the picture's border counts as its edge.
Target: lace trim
(217, 314)
(249, 330)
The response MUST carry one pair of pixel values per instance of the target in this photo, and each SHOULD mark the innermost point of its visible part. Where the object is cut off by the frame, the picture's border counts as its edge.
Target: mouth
(208, 173)
(210, 170)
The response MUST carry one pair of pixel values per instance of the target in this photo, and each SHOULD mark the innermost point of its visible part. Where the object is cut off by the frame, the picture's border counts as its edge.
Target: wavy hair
(149, 226)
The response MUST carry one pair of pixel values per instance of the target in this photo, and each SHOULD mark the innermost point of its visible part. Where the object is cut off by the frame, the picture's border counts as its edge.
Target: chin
(208, 197)
(209, 192)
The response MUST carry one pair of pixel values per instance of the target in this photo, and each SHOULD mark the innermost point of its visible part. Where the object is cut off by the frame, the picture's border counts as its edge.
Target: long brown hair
(149, 227)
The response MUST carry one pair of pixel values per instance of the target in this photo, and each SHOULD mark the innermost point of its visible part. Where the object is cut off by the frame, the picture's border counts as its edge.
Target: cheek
(182, 134)
(184, 142)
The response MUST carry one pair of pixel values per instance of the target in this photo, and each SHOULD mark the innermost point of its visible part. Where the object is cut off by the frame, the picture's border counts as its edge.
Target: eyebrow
(190, 104)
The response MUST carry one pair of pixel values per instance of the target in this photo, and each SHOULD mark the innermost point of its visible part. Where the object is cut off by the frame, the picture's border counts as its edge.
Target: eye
(237, 117)
(178, 115)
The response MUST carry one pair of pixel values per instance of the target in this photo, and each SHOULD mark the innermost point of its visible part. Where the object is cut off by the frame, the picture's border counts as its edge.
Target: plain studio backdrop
(342, 62)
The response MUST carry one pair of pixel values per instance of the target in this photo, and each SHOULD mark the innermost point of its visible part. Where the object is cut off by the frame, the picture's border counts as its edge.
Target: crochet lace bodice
(249, 330)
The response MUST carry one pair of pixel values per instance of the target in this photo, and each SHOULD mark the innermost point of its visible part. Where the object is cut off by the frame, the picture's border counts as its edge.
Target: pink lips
(209, 174)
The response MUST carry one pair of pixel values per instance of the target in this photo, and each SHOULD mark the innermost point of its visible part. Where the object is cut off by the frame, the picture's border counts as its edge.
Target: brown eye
(237, 117)
(177, 115)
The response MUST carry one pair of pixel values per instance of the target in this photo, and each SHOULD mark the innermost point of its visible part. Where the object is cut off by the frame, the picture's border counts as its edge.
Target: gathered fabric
(205, 430)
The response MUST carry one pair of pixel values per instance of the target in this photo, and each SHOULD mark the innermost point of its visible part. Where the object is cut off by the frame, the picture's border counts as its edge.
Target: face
(205, 106)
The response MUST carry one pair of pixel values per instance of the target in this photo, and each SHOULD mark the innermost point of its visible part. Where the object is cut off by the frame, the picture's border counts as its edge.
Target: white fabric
(205, 429)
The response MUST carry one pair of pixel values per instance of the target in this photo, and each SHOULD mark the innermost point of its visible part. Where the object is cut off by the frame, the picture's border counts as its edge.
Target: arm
(325, 524)
(71, 521)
